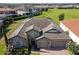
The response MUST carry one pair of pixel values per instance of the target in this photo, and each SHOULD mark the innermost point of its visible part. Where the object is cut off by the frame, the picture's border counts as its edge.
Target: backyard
(54, 13)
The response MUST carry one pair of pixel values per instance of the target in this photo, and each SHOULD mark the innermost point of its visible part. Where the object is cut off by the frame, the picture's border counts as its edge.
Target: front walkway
(53, 52)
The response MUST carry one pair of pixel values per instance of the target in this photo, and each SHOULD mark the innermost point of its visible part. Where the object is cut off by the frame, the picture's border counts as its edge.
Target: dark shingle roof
(39, 22)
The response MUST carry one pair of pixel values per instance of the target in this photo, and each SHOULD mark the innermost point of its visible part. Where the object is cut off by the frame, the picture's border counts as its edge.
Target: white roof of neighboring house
(6, 9)
(1, 21)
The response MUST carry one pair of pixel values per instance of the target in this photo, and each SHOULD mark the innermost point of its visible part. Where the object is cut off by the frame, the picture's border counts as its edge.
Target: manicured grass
(11, 28)
(2, 47)
(70, 53)
(54, 13)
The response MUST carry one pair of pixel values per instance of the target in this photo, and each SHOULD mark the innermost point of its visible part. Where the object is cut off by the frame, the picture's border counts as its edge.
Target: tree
(61, 17)
(10, 19)
(46, 9)
(73, 47)
(5, 37)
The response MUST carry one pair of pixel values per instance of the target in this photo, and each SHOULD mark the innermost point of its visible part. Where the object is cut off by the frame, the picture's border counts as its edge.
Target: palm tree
(29, 45)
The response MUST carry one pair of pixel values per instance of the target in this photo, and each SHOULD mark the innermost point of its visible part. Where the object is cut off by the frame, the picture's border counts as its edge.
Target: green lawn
(11, 28)
(54, 13)
(35, 53)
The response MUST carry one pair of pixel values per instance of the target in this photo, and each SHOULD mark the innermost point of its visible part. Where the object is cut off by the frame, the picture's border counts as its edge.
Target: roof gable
(53, 31)
(32, 27)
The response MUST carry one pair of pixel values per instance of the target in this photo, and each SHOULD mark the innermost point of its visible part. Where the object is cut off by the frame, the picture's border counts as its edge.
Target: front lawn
(35, 52)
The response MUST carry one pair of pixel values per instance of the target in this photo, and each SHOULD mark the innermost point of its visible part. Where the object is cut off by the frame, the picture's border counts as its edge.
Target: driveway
(54, 51)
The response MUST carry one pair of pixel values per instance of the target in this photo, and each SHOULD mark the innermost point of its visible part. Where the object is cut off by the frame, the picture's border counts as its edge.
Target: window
(53, 31)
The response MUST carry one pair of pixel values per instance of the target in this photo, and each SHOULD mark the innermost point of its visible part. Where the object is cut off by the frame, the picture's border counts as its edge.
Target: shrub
(76, 50)
(70, 46)
(8, 20)
(73, 47)
(61, 17)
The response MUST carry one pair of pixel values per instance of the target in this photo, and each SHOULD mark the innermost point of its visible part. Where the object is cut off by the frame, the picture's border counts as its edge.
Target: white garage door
(58, 44)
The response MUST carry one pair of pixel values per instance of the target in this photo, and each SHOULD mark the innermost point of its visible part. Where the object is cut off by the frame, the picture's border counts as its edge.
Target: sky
(39, 1)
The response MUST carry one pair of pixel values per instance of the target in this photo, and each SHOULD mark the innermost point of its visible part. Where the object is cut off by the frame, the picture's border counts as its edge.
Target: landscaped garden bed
(73, 48)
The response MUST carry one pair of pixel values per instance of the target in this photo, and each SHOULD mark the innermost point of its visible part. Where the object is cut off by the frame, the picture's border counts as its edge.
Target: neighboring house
(23, 10)
(72, 29)
(27, 10)
(1, 19)
(1, 23)
(43, 33)
(7, 11)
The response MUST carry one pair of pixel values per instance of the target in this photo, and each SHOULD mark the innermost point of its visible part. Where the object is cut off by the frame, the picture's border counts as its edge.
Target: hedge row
(20, 17)
(67, 8)
(10, 19)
